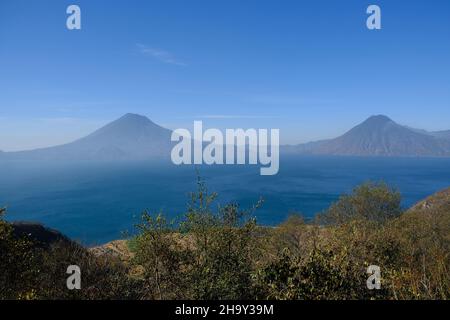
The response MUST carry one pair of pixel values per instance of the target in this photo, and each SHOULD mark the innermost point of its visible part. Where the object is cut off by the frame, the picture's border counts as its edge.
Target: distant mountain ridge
(441, 134)
(378, 136)
(135, 137)
(445, 134)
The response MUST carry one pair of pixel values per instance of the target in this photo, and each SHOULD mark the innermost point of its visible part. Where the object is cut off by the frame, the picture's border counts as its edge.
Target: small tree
(371, 201)
(209, 255)
(224, 247)
(159, 251)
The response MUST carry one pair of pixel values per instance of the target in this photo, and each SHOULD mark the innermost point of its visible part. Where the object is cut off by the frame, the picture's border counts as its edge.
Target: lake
(95, 202)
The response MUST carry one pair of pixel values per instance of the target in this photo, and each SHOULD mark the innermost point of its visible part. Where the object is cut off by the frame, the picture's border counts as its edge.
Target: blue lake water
(95, 203)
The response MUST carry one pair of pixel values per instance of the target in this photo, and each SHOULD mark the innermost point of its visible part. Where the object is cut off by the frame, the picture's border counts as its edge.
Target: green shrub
(370, 201)
(102, 277)
(209, 255)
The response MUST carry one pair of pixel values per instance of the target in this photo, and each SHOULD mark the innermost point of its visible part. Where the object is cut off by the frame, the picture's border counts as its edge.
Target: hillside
(436, 201)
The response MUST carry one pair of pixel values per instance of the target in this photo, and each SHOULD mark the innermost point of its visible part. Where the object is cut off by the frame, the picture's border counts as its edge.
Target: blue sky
(310, 68)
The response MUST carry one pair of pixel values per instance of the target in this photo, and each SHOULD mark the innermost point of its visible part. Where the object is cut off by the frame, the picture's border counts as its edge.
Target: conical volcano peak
(380, 119)
(132, 121)
(132, 126)
(134, 117)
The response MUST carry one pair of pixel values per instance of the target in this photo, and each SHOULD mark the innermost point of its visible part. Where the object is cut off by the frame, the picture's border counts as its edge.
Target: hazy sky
(310, 68)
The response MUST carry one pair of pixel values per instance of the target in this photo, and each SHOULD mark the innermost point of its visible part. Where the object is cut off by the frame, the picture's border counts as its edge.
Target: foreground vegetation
(219, 252)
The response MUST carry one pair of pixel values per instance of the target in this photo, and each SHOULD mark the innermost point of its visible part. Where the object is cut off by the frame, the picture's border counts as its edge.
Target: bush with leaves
(102, 278)
(422, 270)
(329, 260)
(208, 255)
(162, 256)
(224, 248)
(370, 201)
(321, 275)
